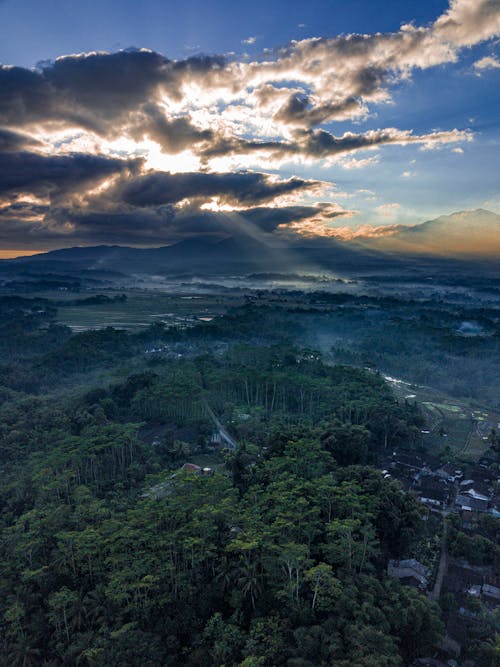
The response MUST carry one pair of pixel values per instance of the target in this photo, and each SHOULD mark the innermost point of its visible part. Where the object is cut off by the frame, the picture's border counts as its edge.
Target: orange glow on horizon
(11, 254)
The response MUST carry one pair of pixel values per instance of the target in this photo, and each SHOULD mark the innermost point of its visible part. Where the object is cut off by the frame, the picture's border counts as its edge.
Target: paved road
(443, 565)
(228, 439)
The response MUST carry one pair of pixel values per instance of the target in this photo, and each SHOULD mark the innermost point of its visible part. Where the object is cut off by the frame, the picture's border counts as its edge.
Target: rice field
(140, 310)
(458, 425)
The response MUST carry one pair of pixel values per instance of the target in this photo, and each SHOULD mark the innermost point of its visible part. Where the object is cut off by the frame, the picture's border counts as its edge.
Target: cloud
(78, 135)
(81, 199)
(236, 189)
(173, 135)
(313, 228)
(44, 175)
(340, 69)
(321, 144)
(488, 62)
(118, 223)
(333, 79)
(468, 22)
(301, 111)
(96, 90)
(290, 218)
(11, 141)
(249, 40)
(354, 163)
(388, 210)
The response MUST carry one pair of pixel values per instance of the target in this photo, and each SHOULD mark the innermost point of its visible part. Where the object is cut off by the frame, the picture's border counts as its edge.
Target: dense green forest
(112, 554)
(452, 346)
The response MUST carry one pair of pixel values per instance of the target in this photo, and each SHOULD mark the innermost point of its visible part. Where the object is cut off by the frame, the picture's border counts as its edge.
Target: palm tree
(96, 609)
(250, 580)
(21, 654)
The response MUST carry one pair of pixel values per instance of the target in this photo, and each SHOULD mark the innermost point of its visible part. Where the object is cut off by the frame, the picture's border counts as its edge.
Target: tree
(63, 604)
(325, 587)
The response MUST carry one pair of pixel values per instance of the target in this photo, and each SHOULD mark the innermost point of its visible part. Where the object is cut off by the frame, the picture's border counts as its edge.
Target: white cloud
(361, 163)
(488, 62)
(388, 210)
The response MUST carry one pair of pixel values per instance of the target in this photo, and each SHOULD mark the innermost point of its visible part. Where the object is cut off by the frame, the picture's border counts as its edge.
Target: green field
(141, 309)
(458, 425)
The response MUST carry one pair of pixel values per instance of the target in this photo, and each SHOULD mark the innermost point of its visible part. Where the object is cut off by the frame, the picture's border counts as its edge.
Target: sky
(144, 123)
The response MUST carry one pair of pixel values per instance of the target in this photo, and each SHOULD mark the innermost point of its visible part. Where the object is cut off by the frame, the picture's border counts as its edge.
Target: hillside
(464, 233)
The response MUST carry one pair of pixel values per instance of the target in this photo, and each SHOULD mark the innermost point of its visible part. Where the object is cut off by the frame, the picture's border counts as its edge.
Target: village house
(487, 592)
(469, 503)
(449, 472)
(491, 593)
(432, 491)
(475, 489)
(481, 473)
(191, 467)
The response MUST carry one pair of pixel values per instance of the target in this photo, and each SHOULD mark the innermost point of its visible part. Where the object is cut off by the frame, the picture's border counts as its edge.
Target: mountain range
(463, 235)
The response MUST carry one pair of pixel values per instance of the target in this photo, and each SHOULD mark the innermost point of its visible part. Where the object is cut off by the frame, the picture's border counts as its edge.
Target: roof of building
(491, 591)
(408, 569)
(473, 493)
(433, 488)
(414, 564)
(192, 467)
(466, 502)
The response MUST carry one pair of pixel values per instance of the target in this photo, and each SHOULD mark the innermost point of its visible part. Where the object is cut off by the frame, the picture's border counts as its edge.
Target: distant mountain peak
(461, 233)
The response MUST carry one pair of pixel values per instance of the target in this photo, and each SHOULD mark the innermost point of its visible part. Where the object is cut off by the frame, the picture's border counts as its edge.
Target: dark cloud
(305, 111)
(118, 223)
(11, 141)
(25, 97)
(143, 226)
(319, 143)
(298, 110)
(53, 199)
(237, 189)
(322, 144)
(269, 218)
(224, 145)
(34, 173)
(96, 90)
(173, 135)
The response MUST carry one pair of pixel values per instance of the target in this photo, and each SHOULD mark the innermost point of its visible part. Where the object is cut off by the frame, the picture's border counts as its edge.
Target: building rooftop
(466, 502)
(430, 487)
(491, 591)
